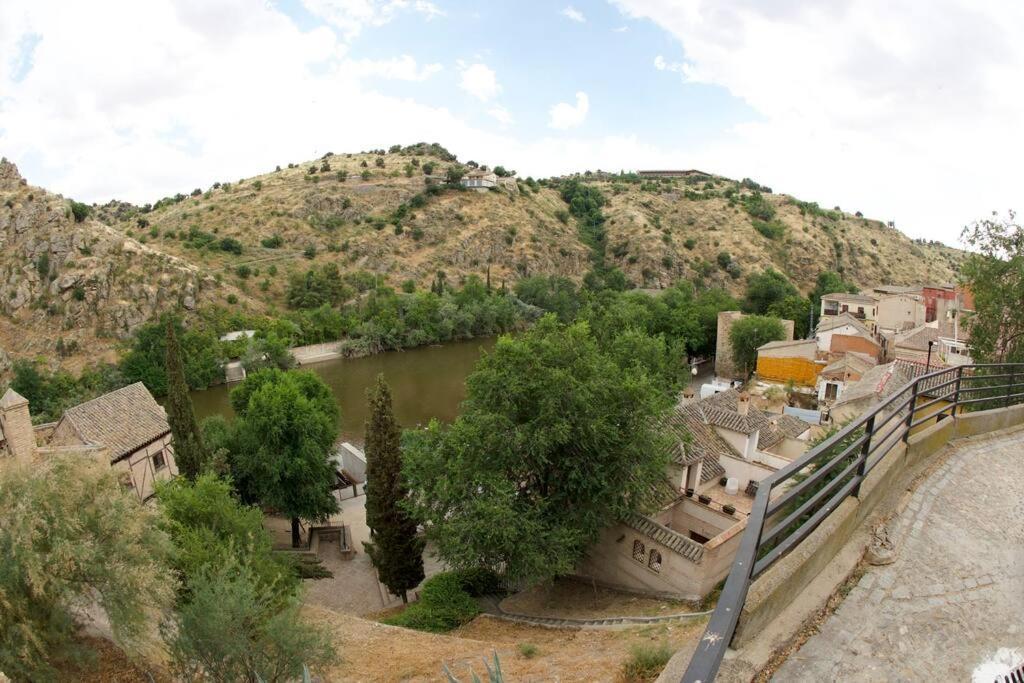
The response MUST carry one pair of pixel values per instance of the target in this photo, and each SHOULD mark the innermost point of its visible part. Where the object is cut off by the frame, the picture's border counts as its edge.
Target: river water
(427, 382)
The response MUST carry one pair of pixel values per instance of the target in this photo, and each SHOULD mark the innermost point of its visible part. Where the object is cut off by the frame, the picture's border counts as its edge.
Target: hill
(391, 214)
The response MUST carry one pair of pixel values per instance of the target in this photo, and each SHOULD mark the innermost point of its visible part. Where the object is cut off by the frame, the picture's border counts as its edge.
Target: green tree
(765, 289)
(748, 333)
(796, 308)
(147, 359)
(190, 454)
(286, 426)
(830, 282)
(555, 441)
(553, 293)
(210, 527)
(394, 548)
(71, 535)
(232, 628)
(994, 274)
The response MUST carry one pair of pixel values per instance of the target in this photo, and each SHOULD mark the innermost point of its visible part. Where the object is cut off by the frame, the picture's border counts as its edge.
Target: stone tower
(16, 432)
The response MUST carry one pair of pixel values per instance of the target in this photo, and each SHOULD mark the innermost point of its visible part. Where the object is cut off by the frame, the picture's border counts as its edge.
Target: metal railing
(794, 501)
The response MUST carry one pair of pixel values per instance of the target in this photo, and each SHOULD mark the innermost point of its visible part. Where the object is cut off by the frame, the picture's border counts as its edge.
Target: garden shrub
(444, 605)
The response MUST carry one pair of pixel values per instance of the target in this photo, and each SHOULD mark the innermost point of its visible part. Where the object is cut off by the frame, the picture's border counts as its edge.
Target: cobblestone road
(955, 594)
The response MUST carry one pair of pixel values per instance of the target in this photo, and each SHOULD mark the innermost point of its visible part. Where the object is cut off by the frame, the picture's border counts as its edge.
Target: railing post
(869, 431)
(956, 394)
(910, 410)
(1009, 385)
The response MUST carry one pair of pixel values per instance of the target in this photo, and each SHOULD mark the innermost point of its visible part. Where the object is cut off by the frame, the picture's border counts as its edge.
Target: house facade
(863, 307)
(725, 368)
(127, 428)
(479, 180)
(687, 546)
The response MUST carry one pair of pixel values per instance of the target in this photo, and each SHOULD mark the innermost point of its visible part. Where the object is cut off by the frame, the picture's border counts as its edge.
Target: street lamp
(928, 365)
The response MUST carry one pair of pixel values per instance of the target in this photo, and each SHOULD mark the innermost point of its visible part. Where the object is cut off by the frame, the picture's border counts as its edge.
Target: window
(654, 562)
(700, 538)
(158, 460)
(639, 551)
(831, 390)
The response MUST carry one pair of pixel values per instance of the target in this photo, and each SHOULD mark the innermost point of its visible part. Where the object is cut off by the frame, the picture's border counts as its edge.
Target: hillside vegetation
(394, 218)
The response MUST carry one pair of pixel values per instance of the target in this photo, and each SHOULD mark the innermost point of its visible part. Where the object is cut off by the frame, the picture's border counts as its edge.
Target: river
(426, 382)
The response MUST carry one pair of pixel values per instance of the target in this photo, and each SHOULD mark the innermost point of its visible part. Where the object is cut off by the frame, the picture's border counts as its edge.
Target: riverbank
(427, 382)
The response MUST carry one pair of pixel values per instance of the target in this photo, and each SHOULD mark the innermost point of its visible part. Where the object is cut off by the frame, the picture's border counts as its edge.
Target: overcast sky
(908, 111)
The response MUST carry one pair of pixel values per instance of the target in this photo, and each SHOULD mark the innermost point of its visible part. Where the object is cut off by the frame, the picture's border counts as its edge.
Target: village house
(926, 344)
(833, 380)
(899, 311)
(839, 334)
(863, 307)
(126, 428)
(789, 361)
(479, 179)
(722, 448)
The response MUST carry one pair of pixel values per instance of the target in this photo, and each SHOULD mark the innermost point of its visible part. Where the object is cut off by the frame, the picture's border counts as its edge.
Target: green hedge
(444, 605)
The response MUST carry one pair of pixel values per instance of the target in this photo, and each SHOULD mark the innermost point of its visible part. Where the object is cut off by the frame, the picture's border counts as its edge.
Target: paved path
(955, 594)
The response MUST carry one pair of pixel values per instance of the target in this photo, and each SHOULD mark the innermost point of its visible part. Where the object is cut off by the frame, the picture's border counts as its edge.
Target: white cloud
(573, 14)
(501, 115)
(661, 65)
(203, 99)
(865, 104)
(403, 68)
(479, 80)
(620, 29)
(564, 115)
(351, 16)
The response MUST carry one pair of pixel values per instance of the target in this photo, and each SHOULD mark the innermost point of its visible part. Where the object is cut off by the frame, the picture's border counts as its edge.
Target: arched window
(639, 551)
(654, 562)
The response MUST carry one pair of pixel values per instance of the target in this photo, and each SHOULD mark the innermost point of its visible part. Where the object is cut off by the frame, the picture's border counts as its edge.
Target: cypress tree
(189, 451)
(394, 548)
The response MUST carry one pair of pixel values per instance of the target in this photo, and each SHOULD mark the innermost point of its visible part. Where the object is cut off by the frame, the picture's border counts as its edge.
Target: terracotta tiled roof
(831, 322)
(918, 338)
(122, 421)
(843, 296)
(711, 469)
(673, 540)
(791, 425)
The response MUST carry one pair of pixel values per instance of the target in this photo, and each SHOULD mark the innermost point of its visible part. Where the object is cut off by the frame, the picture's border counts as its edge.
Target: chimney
(743, 404)
(16, 426)
(688, 395)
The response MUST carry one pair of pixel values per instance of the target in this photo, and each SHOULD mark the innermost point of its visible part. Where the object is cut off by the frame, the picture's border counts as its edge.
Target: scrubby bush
(773, 230)
(310, 251)
(758, 207)
(724, 259)
(365, 175)
(645, 662)
(342, 176)
(80, 211)
(243, 271)
(428, 168)
(232, 299)
(379, 162)
(444, 605)
(273, 242)
(231, 245)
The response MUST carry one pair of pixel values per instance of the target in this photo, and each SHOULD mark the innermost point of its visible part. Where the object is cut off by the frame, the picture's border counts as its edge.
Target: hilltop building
(478, 179)
(127, 428)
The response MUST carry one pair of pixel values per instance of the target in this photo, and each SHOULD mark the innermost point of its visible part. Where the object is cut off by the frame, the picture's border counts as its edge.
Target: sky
(907, 111)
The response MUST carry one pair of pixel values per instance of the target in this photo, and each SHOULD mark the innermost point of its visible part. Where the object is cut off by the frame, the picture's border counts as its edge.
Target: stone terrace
(955, 594)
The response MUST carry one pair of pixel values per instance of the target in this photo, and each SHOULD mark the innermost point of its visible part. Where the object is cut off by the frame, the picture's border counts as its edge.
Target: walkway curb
(492, 607)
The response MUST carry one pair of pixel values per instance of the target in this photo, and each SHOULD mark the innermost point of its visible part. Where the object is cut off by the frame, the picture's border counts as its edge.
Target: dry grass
(573, 599)
(374, 652)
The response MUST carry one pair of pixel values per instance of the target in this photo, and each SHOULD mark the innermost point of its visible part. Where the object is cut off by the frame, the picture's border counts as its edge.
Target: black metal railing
(794, 501)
